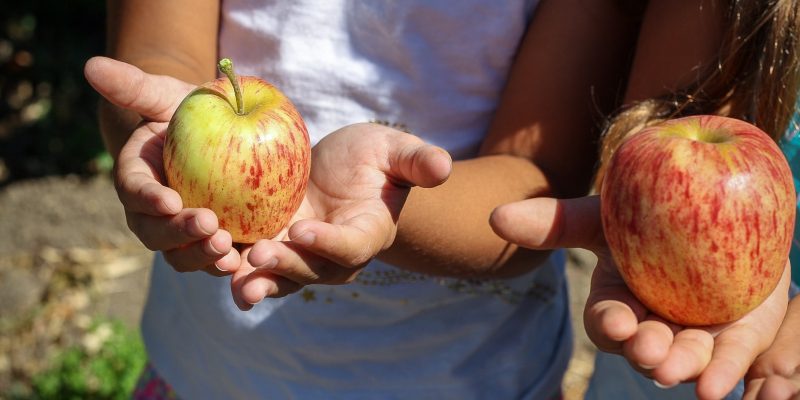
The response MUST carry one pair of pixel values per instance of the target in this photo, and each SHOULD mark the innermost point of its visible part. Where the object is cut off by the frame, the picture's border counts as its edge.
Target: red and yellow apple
(698, 213)
(239, 147)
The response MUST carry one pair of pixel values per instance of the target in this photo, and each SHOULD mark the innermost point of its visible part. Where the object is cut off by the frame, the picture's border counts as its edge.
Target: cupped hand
(775, 375)
(189, 238)
(716, 357)
(360, 178)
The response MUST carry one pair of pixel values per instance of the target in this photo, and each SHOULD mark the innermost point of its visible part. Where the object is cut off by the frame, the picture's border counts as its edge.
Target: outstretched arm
(541, 142)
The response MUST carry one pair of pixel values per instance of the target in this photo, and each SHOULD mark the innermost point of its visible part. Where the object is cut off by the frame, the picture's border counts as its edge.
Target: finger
(736, 348)
(263, 285)
(778, 387)
(351, 244)
(285, 260)
(649, 347)
(138, 177)
(165, 233)
(546, 223)
(200, 254)
(415, 163)
(734, 351)
(227, 265)
(688, 357)
(154, 97)
(609, 323)
(752, 388)
(612, 313)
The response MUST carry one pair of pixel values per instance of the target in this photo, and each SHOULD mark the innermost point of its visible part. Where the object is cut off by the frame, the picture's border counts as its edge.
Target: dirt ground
(67, 257)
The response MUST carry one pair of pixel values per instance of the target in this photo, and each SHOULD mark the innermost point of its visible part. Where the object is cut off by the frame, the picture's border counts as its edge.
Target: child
(448, 310)
(755, 78)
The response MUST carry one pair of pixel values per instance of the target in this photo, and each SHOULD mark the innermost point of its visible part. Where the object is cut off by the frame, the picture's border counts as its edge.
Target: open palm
(360, 178)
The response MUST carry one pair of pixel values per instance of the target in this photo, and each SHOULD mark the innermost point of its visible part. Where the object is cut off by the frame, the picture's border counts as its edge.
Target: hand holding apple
(717, 357)
(360, 177)
(189, 238)
(699, 213)
(238, 147)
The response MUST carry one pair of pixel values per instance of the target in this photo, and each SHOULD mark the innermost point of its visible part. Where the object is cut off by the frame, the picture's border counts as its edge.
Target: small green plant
(106, 366)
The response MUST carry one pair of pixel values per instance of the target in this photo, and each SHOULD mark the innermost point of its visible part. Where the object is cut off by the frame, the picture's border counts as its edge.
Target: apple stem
(226, 67)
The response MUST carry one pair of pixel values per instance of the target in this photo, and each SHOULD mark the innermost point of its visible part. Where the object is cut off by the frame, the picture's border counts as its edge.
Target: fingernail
(662, 386)
(222, 260)
(216, 264)
(214, 250)
(305, 239)
(647, 367)
(200, 227)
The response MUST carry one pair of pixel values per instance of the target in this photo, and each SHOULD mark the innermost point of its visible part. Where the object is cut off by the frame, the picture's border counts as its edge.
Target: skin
(363, 212)
(775, 375)
(518, 160)
(715, 356)
(563, 75)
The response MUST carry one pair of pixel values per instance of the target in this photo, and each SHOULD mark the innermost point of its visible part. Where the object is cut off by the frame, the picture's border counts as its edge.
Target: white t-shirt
(436, 67)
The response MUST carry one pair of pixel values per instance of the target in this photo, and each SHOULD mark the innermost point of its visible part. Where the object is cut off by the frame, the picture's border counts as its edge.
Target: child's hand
(360, 178)
(776, 373)
(717, 357)
(189, 238)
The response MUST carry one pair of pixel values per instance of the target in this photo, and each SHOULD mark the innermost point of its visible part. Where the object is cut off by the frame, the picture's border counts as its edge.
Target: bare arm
(176, 38)
(670, 58)
(176, 42)
(541, 142)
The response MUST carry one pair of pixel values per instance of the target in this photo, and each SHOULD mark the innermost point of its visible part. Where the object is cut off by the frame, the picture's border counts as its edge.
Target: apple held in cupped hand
(698, 213)
(239, 147)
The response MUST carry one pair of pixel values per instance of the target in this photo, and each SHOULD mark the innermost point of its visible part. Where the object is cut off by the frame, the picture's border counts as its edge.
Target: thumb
(415, 163)
(547, 223)
(154, 97)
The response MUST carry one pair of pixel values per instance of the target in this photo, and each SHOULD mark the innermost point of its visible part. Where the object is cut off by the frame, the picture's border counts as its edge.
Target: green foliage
(48, 118)
(110, 372)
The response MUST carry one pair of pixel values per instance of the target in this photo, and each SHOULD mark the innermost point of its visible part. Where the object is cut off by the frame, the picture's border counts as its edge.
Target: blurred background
(72, 277)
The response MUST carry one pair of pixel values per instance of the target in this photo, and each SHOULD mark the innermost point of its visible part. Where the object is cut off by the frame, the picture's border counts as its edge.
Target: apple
(238, 146)
(698, 213)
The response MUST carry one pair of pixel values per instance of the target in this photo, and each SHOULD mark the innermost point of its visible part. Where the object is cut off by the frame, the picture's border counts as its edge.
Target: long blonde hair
(755, 78)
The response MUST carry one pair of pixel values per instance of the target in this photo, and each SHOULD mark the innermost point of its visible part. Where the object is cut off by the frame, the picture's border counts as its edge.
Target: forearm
(445, 230)
(176, 38)
(542, 142)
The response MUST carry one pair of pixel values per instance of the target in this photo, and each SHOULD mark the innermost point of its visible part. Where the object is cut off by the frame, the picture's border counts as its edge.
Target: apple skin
(698, 213)
(251, 169)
